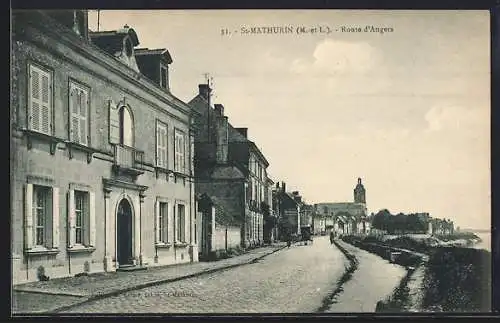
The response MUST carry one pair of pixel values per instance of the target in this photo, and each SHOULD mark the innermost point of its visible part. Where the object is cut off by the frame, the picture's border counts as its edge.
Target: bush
(458, 279)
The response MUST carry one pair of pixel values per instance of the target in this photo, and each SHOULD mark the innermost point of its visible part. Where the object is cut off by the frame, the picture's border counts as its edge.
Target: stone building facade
(101, 151)
(230, 167)
(289, 205)
(346, 217)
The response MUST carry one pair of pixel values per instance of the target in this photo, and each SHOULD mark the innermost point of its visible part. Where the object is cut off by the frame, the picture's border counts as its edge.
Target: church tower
(359, 193)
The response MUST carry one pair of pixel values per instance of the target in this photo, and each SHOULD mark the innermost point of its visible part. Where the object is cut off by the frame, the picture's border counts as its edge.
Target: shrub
(458, 279)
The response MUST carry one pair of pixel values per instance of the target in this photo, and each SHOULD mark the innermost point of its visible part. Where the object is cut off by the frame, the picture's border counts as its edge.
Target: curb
(353, 266)
(158, 282)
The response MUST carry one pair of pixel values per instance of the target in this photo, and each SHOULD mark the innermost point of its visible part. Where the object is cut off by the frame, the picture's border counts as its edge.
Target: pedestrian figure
(332, 236)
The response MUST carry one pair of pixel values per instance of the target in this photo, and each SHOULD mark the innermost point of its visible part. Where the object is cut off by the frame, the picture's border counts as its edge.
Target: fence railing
(128, 157)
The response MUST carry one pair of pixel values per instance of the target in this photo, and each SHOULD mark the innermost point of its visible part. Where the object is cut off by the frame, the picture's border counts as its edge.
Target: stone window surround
(78, 248)
(177, 242)
(167, 244)
(40, 180)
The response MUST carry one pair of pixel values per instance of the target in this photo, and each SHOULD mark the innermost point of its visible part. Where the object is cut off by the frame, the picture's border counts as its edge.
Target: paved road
(291, 280)
(374, 280)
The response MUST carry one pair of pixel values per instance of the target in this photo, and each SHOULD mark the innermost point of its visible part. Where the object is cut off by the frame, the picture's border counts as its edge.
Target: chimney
(222, 139)
(295, 193)
(283, 186)
(219, 109)
(278, 186)
(204, 91)
(243, 132)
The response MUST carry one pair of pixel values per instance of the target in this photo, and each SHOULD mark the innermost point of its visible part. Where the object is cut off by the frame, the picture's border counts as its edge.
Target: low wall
(221, 234)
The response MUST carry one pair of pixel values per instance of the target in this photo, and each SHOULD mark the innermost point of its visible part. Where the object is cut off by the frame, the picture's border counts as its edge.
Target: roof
(111, 41)
(199, 103)
(227, 172)
(161, 52)
(235, 135)
(126, 30)
(223, 214)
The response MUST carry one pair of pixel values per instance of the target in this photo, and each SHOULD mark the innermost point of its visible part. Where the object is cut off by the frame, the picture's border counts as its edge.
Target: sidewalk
(52, 295)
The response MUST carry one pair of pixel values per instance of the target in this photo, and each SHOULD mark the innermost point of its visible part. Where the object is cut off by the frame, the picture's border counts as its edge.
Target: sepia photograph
(250, 162)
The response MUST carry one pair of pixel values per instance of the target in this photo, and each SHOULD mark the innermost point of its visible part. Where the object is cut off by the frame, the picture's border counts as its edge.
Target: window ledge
(181, 244)
(78, 249)
(40, 135)
(162, 170)
(163, 245)
(42, 251)
(72, 146)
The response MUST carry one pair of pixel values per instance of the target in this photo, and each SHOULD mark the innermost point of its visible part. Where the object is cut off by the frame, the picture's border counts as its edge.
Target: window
(79, 113)
(179, 151)
(40, 100)
(126, 127)
(162, 222)
(41, 217)
(181, 223)
(81, 218)
(81, 215)
(161, 144)
(163, 77)
(41, 210)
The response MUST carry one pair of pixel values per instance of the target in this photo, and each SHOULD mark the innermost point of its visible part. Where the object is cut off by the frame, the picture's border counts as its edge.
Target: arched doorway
(124, 233)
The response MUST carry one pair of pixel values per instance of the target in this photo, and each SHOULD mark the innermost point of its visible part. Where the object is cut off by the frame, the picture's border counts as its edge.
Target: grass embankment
(458, 279)
(455, 279)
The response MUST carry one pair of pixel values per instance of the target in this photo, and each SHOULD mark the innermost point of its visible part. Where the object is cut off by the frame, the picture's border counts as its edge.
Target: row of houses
(109, 170)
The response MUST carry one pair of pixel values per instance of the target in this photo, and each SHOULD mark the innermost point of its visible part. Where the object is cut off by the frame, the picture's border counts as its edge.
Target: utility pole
(98, 18)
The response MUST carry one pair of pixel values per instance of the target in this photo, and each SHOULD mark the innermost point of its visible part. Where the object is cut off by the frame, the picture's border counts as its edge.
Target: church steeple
(359, 193)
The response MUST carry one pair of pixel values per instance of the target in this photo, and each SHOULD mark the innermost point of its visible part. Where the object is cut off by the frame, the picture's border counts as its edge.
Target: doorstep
(128, 268)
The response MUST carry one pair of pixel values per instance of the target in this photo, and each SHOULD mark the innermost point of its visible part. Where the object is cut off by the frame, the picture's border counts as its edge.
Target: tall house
(230, 167)
(101, 151)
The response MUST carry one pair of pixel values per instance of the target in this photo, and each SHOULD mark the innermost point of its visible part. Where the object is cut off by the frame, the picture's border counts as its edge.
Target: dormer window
(164, 76)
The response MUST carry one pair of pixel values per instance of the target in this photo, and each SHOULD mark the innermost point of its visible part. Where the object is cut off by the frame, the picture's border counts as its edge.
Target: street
(292, 280)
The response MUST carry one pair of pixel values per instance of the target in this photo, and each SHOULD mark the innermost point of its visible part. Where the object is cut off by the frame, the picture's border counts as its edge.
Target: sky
(406, 110)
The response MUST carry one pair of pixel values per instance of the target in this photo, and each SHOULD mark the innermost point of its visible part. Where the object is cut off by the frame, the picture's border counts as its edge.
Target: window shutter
(75, 124)
(46, 98)
(55, 217)
(84, 117)
(114, 123)
(164, 139)
(176, 146)
(92, 228)
(158, 145)
(157, 222)
(28, 217)
(71, 219)
(183, 155)
(166, 221)
(34, 99)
